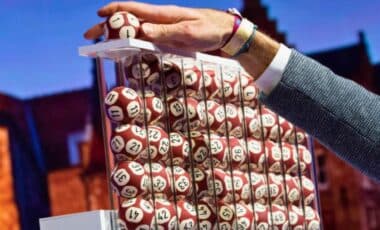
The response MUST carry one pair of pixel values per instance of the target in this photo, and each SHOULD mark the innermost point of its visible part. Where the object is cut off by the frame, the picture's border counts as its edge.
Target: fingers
(148, 12)
(95, 31)
(163, 33)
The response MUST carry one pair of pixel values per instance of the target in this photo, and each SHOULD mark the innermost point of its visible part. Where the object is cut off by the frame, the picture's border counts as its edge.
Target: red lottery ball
(187, 216)
(230, 86)
(252, 122)
(176, 113)
(290, 164)
(123, 105)
(193, 81)
(154, 109)
(128, 142)
(279, 217)
(256, 154)
(245, 216)
(250, 91)
(182, 182)
(276, 188)
(165, 214)
(308, 189)
(301, 137)
(304, 157)
(200, 148)
(129, 179)
(283, 127)
(219, 151)
(136, 213)
(313, 221)
(172, 78)
(269, 123)
(121, 25)
(180, 148)
(226, 216)
(237, 152)
(296, 218)
(215, 115)
(193, 115)
(273, 156)
(160, 179)
(158, 144)
(234, 122)
(263, 216)
(221, 184)
(145, 65)
(200, 177)
(240, 181)
(207, 215)
(293, 189)
(259, 188)
(213, 83)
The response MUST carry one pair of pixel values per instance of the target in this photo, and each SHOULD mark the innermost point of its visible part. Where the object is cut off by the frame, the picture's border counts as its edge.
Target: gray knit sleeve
(338, 112)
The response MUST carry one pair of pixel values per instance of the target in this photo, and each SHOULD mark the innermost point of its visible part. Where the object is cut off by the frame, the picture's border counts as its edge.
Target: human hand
(179, 27)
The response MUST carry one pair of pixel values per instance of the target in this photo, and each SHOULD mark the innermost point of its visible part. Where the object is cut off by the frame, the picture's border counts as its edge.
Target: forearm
(260, 54)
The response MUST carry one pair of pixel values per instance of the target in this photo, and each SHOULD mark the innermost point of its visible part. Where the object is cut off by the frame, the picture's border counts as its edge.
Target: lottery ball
(307, 188)
(273, 156)
(298, 136)
(200, 148)
(262, 216)
(304, 157)
(256, 154)
(182, 182)
(212, 84)
(292, 188)
(226, 216)
(143, 70)
(282, 130)
(268, 124)
(121, 25)
(128, 142)
(154, 109)
(129, 179)
(165, 214)
(200, 176)
(207, 215)
(251, 121)
(193, 81)
(245, 216)
(158, 144)
(136, 213)
(176, 113)
(276, 188)
(215, 118)
(221, 184)
(296, 218)
(239, 181)
(123, 105)
(259, 187)
(187, 216)
(160, 179)
(230, 85)
(279, 217)
(250, 91)
(237, 152)
(172, 78)
(180, 148)
(234, 122)
(193, 114)
(219, 151)
(312, 219)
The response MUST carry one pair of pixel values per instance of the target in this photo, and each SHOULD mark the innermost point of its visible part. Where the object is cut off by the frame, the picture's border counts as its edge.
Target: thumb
(162, 33)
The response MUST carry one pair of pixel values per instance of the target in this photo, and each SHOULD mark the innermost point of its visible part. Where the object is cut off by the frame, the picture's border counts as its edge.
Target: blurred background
(51, 159)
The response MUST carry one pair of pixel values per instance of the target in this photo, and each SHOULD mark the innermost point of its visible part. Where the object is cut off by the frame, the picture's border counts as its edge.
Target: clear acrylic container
(192, 142)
